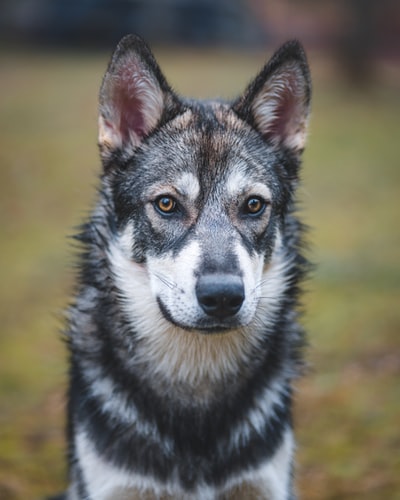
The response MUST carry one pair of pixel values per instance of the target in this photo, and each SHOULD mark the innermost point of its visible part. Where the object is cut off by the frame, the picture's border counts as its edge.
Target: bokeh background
(52, 57)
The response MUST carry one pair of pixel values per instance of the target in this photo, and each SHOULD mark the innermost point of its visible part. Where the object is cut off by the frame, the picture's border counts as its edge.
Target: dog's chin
(205, 325)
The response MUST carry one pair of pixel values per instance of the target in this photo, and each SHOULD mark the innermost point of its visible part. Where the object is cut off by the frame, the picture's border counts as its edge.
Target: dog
(184, 334)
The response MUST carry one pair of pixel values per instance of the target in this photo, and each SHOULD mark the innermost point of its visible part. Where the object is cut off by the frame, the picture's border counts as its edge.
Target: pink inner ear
(129, 103)
(131, 115)
(285, 113)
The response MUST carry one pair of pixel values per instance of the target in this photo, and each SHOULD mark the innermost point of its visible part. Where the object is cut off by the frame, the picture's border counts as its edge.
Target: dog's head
(201, 191)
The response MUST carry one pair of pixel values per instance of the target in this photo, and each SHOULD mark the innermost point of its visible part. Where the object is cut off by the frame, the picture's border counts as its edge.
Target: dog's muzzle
(220, 295)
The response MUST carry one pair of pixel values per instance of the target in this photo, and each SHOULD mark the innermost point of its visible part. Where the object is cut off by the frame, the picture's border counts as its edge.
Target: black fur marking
(201, 438)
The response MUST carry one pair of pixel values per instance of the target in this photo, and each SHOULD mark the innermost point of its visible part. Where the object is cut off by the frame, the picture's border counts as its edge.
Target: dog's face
(201, 190)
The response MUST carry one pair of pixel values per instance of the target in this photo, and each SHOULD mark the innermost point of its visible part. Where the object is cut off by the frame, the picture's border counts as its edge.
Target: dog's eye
(254, 206)
(165, 204)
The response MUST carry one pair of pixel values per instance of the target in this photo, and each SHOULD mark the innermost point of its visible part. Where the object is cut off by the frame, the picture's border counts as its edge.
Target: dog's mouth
(204, 324)
(214, 329)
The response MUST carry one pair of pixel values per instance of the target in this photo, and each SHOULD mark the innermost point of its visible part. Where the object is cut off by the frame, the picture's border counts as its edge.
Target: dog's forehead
(210, 130)
(208, 146)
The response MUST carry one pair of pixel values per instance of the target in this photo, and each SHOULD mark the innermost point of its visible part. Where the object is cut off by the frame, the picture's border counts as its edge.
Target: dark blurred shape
(103, 22)
(372, 32)
(357, 32)
(357, 44)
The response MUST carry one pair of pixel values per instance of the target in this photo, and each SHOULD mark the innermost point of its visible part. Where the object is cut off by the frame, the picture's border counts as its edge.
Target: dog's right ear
(134, 98)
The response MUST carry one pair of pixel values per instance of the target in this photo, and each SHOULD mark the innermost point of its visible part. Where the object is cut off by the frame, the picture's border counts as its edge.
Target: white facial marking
(191, 357)
(188, 185)
(173, 281)
(238, 182)
(273, 284)
(265, 286)
(252, 268)
(177, 355)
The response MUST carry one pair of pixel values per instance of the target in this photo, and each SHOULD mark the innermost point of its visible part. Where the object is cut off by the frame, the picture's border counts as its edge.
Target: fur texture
(183, 335)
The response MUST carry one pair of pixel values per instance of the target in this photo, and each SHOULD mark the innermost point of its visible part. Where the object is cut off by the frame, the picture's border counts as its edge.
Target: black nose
(220, 295)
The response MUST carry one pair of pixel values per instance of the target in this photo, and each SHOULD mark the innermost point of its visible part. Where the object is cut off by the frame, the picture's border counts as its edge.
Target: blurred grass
(348, 407)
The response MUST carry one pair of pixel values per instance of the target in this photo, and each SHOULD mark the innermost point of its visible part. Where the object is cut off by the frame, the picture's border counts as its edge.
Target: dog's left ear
(277, 102)
(134, 98)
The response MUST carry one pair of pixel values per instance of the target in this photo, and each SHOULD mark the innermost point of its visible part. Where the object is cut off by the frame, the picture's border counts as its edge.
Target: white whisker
(170, 284)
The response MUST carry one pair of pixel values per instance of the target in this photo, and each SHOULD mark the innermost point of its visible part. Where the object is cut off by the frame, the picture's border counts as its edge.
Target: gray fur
(184, 334)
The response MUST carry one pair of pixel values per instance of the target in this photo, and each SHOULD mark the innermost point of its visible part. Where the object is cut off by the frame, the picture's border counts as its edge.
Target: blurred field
(348, 407)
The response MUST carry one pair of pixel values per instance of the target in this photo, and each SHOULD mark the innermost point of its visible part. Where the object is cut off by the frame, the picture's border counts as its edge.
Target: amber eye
(165, 204)
(254, 206)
